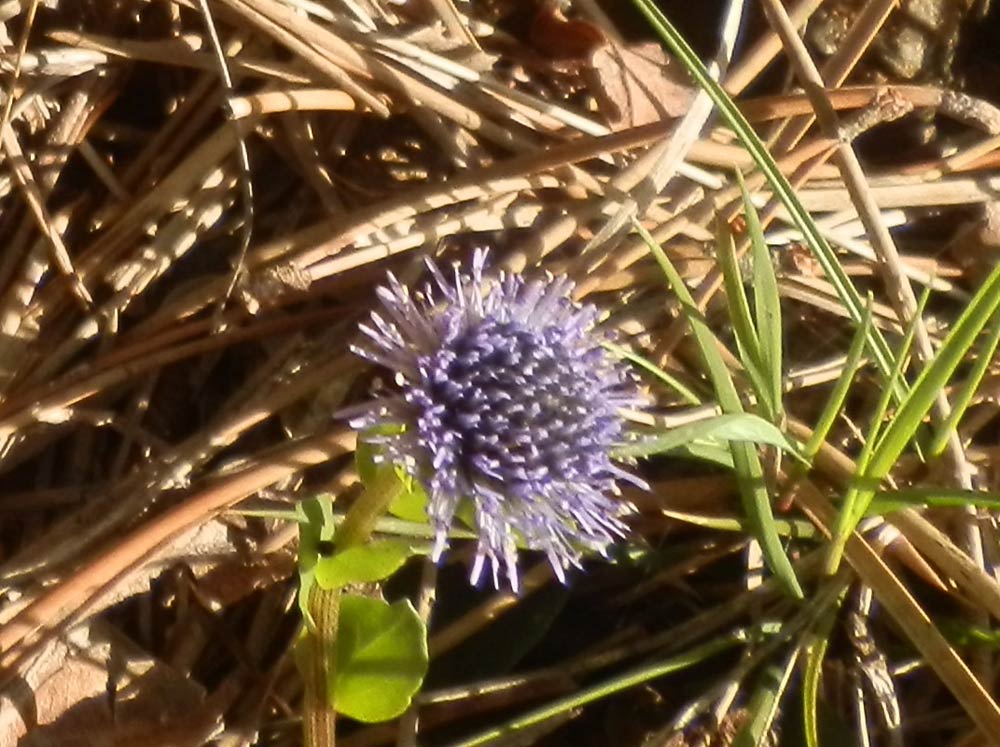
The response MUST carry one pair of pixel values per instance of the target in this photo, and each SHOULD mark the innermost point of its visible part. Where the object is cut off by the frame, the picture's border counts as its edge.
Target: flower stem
(359, 522)
(318, 717)
(320, 652)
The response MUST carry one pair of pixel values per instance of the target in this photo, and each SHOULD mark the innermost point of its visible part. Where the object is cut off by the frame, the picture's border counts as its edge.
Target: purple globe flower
(506, 399)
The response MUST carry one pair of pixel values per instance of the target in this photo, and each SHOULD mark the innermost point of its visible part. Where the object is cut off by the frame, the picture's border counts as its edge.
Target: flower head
(508, 399)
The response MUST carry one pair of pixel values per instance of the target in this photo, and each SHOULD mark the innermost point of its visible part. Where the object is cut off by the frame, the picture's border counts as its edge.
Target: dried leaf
(65, 698)
(638, 84)
(561, 38)
(257, 291)
(976, 246)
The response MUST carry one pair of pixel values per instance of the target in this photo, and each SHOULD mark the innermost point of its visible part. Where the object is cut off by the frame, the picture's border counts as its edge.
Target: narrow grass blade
(961, 401)
(746, 462)
(281, 514)
(767, 305)
(732, 427)
(936, 374)
(755, 147)
(686, 393)
(835, 402)
(739, 314)
(887, 501)
(855, 503)
(630, 679)
(913, 622)
(812, 676)
(765, 703)
(921, 397)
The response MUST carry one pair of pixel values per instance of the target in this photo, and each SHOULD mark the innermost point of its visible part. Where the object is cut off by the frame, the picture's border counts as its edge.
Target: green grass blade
(855, 502)
(816, 643)
(898, 372)
(921, 397)
(824, 254)
(739, 314)
(812, 680)
(767, 305)
(730, 427)
(964, 397)
(764, 704)
(637, 676)
(757, 504)
(887, 501)
(281, 514)
(685, 392)
(935, 375)
(835, 402)
(749, 473)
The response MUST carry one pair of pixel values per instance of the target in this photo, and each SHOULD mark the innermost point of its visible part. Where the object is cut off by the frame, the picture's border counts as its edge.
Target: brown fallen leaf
(561, 38)
(637, 84)
(976, 245)
(94, 680)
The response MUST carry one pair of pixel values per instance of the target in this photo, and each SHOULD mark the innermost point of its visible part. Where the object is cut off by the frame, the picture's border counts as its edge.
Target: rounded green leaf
(373, 561)
(381, 658)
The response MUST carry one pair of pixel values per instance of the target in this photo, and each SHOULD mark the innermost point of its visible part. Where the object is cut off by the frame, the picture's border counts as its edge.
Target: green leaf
(918, 402)
(763, 706)
(674, 383)
(964, 397)
(767, 306)
(712, 452)
(381, 658)
(373, 561)
(317, 528)
(740, 426)
(747, 341)
(746, 462)
(411, 502)
(888, 501)
(856, 500)
(820, 248)
(837, 397)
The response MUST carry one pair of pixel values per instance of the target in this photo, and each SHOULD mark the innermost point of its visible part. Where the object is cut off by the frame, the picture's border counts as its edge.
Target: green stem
(318, 719)
(359, 522)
